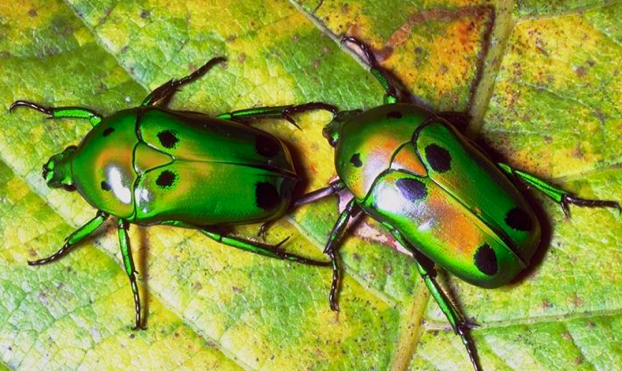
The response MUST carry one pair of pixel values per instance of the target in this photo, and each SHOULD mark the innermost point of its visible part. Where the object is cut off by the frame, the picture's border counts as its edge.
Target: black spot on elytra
(411, 189)
(519, 220)
(486, 260)
(266, 195)
(166, 179)
(267, 146)
(356, 160)
(394, 115)
(168, 138)
(108, 131)
(105, 186)
(438, 158)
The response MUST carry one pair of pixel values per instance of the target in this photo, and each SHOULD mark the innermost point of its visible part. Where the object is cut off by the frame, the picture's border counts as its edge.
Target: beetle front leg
(375, 69)
(279, 112)
(60, 112)
(558, 195)
(427, 271)
(166, 90)
(318, 194)
(128, 263)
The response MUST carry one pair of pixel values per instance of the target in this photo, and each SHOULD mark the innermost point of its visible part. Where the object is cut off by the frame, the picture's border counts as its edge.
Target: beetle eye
(45, 172)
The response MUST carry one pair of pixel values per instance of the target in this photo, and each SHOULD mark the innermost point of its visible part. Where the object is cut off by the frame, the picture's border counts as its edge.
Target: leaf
(541, 80)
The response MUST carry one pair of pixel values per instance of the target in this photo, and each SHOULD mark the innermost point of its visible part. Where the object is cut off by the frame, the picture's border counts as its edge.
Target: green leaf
(540, 78)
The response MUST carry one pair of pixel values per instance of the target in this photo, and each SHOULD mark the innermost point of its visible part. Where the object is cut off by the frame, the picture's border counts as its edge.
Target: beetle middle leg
(332, 244)
(332, 188)
(128, 263)
(558, 195)
(279, 112)
(427, 271)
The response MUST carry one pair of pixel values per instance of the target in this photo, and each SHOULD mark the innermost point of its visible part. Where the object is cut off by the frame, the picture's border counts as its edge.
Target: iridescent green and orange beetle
(437, 193)
(150, 165)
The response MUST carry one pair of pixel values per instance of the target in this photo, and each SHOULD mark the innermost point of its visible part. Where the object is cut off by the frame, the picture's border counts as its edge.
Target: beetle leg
(166, 90)
(261, 249)
(318, 194)
(560, 196)
(128, 262)
(74, 238)
(60, 112)
(331, 249)
(427, 271)
(281, 112)
(263, 230)
(376, 71)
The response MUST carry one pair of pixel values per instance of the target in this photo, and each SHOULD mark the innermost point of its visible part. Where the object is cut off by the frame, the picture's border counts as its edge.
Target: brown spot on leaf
(580, 71)
(402, 34)
(577, 152)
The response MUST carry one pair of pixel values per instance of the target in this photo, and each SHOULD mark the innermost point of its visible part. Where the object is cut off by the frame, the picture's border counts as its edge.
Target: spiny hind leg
(564, 198)
(427, 271)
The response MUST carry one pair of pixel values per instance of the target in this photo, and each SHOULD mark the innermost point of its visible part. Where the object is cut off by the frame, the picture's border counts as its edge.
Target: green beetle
(437, 193)
(150, 165)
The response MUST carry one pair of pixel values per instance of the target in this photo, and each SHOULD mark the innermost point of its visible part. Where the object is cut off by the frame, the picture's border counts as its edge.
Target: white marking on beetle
(120, 190)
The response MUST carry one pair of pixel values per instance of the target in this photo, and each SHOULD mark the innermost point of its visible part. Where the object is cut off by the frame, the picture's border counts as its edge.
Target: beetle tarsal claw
(263, 231)
(23, 103)
(282, 242)
(565, 207)
(470, 325)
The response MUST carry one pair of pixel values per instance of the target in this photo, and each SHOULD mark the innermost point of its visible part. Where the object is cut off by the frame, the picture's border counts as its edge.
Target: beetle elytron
(441, 197)
(150, 165)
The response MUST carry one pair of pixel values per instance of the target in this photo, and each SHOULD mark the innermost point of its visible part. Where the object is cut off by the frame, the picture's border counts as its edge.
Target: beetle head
(57, 171)
(332, 131)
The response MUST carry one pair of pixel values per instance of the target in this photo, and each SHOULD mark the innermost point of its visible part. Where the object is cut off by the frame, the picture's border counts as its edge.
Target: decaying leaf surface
(540, 78)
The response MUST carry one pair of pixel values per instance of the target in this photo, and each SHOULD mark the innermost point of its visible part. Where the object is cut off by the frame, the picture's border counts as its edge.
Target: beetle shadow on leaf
(541, 215)
(303, 175)
(143, 266)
